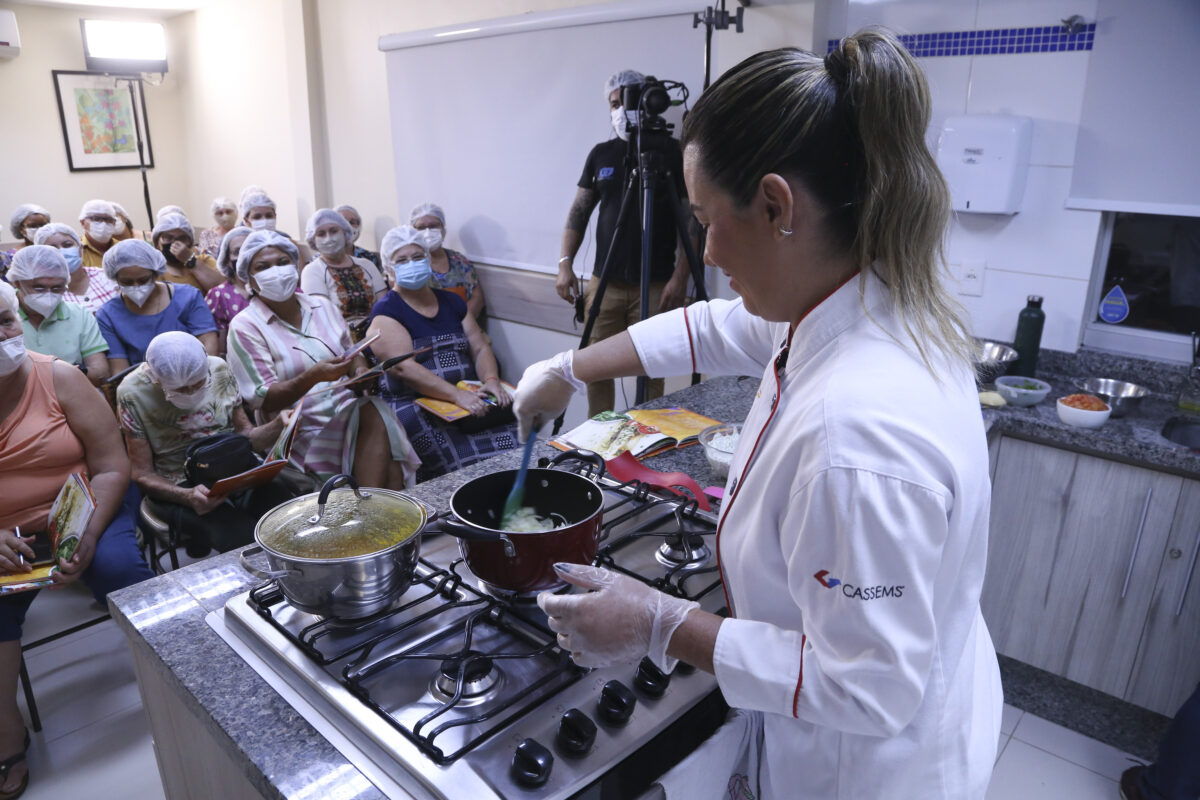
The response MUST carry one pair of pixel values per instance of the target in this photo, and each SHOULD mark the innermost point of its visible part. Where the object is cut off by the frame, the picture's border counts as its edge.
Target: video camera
(650, 99)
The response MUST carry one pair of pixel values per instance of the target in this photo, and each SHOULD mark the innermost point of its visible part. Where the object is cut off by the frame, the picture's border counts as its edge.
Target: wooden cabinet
(1167, 668)
(1076, 563)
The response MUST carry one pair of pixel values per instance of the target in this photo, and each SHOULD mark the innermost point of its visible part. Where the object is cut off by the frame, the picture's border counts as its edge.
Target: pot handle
(582, 455)
(473, 534)
(262, 574)
(327, 489)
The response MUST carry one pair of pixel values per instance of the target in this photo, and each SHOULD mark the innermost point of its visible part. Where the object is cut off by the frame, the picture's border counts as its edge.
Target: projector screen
(494, 120)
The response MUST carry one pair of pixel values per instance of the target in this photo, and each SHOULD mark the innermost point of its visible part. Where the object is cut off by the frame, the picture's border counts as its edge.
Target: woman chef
(853, 534)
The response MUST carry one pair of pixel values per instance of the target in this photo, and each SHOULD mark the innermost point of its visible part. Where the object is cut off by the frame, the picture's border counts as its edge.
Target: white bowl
(719, 458)
(1014, 389)
(1080, 417)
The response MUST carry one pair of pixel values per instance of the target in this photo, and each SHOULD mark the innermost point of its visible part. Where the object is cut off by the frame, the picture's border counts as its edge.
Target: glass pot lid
(340, 522)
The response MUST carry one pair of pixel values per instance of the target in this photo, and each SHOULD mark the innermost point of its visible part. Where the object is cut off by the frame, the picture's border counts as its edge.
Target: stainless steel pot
(345, 555)
(1121, 396)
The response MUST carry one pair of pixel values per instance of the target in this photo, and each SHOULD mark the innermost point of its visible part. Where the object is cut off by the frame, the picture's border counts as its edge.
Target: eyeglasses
(39, 290)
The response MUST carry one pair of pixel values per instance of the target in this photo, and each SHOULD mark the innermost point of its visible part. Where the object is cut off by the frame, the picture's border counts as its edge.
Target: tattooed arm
(572, 238)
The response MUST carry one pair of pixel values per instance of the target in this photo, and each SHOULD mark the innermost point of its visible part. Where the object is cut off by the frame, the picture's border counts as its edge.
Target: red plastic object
(627, 468)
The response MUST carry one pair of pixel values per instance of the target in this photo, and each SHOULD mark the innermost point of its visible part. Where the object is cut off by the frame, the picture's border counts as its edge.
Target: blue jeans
(117, 563)
(1176, 773)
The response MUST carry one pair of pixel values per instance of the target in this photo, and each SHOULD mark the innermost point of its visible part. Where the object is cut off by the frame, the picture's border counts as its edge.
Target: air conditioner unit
(10, 39)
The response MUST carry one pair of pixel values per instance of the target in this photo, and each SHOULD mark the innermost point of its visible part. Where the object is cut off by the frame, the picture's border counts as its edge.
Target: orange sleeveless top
(38, 452)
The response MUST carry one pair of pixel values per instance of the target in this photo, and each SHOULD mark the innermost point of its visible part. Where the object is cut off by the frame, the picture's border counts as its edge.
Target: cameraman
(603, 182)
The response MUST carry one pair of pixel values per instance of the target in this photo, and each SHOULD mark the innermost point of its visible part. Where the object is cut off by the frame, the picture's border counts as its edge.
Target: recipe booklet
(276, 459)
(445, 410)
(69, 517)
(640, 431)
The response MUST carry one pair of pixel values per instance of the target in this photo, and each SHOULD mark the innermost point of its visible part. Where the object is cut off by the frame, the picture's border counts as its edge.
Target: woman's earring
(785, 231)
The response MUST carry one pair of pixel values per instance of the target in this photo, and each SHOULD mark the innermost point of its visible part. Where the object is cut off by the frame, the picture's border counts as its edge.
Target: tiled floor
(95, 741)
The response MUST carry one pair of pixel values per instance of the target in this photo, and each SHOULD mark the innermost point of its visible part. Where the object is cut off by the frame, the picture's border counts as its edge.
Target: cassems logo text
(858, 592)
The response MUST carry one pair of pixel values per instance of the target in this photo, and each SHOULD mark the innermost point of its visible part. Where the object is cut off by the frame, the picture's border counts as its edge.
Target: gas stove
(459, 691)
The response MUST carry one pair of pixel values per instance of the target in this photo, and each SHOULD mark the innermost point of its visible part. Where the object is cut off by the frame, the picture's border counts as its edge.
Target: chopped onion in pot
(526, 520)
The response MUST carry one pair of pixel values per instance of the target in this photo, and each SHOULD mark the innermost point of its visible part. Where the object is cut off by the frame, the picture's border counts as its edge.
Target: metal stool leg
(35, 719)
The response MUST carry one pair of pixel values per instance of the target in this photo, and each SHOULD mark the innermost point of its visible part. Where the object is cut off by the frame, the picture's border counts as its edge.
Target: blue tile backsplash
(998, 41)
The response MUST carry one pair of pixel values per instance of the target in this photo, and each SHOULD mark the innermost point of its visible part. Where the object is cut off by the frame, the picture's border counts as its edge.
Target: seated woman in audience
(353, 284)
(414, 316)
(451, 269)
(53, 424)
(228, 299)
(180, 395)
(87, 286)
(258, 213)
(124, 227)
(99, 221)
(146, 307)
(351, 215)
(23, 224)
(53, 327)
(174, 238)
(286, 345)
(225, 214)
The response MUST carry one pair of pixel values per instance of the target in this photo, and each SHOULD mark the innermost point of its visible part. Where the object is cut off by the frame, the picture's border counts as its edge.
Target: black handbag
(216, 457)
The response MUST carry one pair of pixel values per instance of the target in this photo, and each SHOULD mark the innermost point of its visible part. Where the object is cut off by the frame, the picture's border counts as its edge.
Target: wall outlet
(969, 277)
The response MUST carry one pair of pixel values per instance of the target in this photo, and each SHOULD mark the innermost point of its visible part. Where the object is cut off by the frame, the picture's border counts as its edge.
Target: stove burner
(518, 599)
(480, 679)
(684, 552)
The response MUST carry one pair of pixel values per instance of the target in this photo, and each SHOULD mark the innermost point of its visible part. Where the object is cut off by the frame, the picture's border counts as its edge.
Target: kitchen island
(222, 731)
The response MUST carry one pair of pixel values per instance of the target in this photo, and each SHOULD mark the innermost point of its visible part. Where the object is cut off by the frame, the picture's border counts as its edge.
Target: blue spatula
(516, 498)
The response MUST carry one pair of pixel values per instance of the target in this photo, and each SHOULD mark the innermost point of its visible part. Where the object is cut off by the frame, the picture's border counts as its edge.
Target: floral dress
(460, 278)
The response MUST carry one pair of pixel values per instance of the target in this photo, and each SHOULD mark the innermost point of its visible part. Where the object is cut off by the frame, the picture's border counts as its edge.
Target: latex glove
(544, 391)
(619, 622)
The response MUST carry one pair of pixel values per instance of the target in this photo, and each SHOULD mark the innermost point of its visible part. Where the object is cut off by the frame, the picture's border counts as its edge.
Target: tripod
(645, 171)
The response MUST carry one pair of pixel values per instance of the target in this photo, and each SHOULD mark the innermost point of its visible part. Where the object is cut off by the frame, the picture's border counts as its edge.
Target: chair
(155, 531)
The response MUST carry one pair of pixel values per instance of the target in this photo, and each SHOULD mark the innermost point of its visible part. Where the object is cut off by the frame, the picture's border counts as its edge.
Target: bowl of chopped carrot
(1083, 410)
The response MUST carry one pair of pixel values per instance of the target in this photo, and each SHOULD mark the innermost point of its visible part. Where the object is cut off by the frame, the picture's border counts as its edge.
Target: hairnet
(621, 79)
(38, 261)
(229, 269)
(255, 200)
(162, 212)
(46, 231)
(400, 236)
(253, 188)
(24, 212)
(427, 210)
(350, 208)
(8, 297)
(120, 209)
(176, 359)
(132, 253)
(172, 222)
(324, 216)
(221, 202)
(257, 241)
(97, 207)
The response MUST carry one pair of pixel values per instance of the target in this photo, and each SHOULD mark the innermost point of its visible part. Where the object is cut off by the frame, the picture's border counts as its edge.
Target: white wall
(1045, 249)
(31, 143)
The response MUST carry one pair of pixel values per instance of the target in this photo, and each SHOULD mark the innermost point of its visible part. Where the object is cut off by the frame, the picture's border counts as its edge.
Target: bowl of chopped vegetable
(719, 442)
(1022, 391)
(1083, 410)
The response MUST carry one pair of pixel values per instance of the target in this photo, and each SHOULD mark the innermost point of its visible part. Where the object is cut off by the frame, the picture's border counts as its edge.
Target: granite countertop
(282, 755)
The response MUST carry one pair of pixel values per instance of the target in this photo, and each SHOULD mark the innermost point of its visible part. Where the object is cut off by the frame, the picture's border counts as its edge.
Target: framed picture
(97, 113)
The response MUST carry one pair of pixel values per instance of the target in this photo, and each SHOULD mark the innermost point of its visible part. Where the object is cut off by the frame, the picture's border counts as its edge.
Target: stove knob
(650, 680)
(576, 732)
(616, 703)
(531, 764)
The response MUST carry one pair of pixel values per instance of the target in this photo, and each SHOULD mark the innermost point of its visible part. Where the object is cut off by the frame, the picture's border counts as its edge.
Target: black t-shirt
(604, 172)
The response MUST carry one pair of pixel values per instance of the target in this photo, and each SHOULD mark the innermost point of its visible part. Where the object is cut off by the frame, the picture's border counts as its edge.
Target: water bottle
(1029, 338)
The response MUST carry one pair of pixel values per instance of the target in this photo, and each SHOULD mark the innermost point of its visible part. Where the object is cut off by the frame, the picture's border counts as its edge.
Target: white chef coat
(852, 545)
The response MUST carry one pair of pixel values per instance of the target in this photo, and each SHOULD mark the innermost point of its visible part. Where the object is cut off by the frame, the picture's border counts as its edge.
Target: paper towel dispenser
(10, 38)
(985, 158)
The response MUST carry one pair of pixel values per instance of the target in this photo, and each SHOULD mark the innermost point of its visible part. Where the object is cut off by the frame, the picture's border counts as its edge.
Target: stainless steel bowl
(1121, 396)
(991, 360)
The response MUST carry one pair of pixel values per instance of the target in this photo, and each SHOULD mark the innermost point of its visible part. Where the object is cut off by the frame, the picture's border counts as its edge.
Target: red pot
(524, 562)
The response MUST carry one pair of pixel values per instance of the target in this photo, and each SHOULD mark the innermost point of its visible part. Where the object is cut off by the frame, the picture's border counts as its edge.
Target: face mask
(119, 228)
(73, 256)
(138, 295)
(330, 244)
(29, 232)
(355, 230)
(12, 355)
(225, 219)
(621, 120)
(414, 274)
(43, 303)
(277, 283)
(187, 401)
(434, 237)
(167, 254)
(261, 223)
(101, 232)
